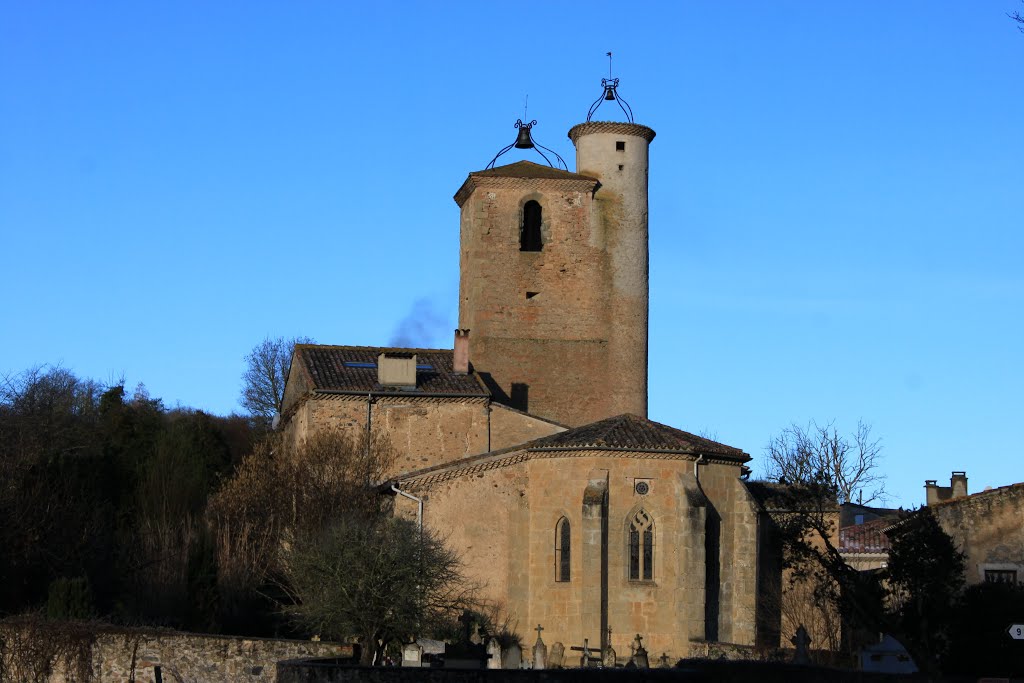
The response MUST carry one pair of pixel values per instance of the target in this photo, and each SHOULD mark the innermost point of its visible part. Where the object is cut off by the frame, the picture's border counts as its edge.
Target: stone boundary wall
(76, 652)
(721, 652)
(688, 670)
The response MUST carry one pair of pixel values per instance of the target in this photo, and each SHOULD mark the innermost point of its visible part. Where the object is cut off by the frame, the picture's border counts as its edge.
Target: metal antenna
(526, 107)
(609, 65)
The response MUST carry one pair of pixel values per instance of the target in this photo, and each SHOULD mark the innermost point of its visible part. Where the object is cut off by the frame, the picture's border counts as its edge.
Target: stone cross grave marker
(467, 624)
(608, 657)
(639, 658)
(587, 660)
(540, 651)
(802, 642)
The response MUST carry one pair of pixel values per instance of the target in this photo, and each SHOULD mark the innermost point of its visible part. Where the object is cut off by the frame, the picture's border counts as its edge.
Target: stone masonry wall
(538, 319)
(989, 528)
(510, 427)
(502, 521)
(617, 154)
(424, 431)
(114, 655)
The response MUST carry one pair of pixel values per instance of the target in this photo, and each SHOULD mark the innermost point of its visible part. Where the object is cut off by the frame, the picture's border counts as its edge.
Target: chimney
(397, 371)
(937, 494)
(460, 358)
(958, 482)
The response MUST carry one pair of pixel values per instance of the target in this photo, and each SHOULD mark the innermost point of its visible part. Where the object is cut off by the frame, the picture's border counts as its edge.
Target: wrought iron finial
(524, 140)
(610, 92)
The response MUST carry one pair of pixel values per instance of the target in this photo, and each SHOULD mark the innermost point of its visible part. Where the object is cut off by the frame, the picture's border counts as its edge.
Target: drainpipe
(369, 421)
(419, 502)
(699, 460)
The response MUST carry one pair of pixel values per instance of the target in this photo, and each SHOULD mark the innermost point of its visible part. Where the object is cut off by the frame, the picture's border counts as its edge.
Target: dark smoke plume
(422, 327)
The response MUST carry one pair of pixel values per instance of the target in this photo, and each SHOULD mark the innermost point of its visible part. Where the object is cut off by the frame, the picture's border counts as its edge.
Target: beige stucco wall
(988, 528)
(424, 431)
(502, 519)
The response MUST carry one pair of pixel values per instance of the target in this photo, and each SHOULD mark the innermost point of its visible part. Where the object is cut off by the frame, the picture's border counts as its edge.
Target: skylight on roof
(371, 365)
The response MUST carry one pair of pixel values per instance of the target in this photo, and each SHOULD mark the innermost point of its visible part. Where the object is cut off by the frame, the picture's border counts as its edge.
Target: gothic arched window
(641, 547)
(563, 544)
(529, 234)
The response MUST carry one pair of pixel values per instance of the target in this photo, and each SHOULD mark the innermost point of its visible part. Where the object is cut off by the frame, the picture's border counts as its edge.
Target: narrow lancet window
(563, 543)
(641, 547)
(529, 234)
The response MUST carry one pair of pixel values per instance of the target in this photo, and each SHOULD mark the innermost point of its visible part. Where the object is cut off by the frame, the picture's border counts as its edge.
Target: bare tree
(1019, 18)
(379, 579)
(804, 520)
(266, 369)
(820, 455)
(284, 490)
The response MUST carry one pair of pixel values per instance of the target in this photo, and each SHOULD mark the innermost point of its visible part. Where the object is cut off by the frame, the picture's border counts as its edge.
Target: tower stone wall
(538, 320)
(561, 332)
(617, 154)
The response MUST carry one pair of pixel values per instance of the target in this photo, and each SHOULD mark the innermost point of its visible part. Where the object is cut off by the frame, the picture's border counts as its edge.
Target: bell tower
(554, 273)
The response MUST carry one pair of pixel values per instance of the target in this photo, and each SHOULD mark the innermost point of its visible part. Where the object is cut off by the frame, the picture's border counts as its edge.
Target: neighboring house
(528, 444)
(988, 527)
(866, 546)
(862, 539)
(851, 514)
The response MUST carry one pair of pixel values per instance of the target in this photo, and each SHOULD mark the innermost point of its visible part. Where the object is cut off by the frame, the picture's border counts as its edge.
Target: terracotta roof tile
(528, 169)
(624, 433)
(633, 433)
(868, 537)
(331, 369)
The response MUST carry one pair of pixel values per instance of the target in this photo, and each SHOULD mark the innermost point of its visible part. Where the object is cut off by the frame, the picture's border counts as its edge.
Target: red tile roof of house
(634, 433)
(868, 537)
(353, 369)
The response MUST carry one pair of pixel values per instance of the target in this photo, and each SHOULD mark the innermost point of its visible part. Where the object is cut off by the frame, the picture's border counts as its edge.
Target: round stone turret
(617, 155)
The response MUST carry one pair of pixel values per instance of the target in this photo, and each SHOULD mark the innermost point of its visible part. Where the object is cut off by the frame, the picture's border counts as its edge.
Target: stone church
(527, 445)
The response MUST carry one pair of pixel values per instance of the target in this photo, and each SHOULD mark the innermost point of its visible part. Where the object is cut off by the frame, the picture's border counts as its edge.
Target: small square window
(620, 145)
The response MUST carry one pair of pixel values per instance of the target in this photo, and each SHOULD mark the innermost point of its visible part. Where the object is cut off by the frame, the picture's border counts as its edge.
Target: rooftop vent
(396, 371)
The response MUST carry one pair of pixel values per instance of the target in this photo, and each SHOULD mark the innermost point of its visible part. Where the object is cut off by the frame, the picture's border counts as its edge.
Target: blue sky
(836, 197)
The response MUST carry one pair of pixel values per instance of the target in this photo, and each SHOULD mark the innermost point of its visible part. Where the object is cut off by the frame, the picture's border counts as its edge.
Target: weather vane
(610, 91)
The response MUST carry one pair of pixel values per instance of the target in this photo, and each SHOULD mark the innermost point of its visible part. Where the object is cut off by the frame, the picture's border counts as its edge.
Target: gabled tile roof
(327, 370)
(525, 174)
(634, 433)
(868, 537)
(528, 169)
(625, 434)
